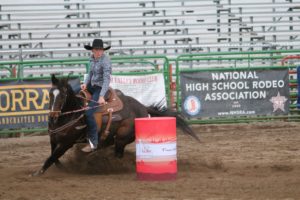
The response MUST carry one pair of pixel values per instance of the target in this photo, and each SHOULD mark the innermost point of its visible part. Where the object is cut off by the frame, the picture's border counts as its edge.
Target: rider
(97, 83)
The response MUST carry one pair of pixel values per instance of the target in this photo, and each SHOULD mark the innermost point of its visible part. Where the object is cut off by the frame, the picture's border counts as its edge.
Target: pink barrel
(156, 151)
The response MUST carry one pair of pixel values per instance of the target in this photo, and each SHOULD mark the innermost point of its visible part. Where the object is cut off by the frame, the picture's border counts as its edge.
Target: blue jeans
(91, 122)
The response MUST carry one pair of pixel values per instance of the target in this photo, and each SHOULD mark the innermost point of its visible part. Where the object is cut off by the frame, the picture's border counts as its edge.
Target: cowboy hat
(97, 44)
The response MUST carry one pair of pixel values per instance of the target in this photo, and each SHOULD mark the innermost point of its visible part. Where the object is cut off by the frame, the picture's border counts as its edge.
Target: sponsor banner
(24, 104)
(147, 89)
(234, 93)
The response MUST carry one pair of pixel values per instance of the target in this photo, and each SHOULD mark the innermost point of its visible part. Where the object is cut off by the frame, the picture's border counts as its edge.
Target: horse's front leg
(57, 162)
(55, 155)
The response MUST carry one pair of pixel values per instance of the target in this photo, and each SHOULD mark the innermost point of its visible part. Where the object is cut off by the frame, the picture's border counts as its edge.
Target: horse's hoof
(37, 173)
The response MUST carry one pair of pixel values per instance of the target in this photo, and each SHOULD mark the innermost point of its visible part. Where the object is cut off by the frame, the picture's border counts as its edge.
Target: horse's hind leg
(125, 135)
(120, 146)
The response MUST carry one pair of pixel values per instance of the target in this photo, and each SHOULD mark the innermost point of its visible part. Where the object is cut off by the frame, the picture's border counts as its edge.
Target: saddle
(113, 104)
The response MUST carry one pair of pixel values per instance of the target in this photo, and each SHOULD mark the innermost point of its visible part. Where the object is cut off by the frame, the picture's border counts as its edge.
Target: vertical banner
(147, 89)
(235, 93)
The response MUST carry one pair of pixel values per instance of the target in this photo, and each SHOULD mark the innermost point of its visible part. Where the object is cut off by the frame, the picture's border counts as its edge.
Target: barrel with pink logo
(156, 149)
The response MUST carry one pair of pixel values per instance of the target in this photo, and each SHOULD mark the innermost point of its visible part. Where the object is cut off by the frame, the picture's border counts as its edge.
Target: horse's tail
(180, 122)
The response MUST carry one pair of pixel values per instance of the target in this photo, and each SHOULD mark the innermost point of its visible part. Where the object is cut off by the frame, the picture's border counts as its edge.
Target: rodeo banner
(24, 104)
(234, 93)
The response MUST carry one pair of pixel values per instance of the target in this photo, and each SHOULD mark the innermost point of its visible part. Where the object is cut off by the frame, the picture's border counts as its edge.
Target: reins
(67, 125)
(78, 110)
(73, 122)
(81, 97)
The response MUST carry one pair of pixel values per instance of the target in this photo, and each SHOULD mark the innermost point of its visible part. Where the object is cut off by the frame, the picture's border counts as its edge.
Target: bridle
(67, 125)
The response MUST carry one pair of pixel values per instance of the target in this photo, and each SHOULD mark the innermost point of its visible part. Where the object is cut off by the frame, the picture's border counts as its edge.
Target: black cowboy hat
(97, 44)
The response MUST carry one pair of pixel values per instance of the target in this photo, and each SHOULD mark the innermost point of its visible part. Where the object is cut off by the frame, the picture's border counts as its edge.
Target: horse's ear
(54, 79)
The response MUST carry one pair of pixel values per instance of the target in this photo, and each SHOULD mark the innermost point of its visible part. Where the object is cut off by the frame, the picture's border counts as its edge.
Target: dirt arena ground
(245, 161)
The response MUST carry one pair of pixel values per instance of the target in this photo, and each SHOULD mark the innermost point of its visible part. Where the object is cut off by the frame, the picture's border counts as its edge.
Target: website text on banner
(234, 93)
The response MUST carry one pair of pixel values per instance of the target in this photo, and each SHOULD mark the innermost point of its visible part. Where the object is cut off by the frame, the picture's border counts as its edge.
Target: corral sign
(234, 93)
(24, 104)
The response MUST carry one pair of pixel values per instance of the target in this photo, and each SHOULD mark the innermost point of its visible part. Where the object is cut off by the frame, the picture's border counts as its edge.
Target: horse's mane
(72, 100)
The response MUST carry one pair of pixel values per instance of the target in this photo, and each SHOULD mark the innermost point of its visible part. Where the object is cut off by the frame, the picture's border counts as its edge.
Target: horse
(67, 122)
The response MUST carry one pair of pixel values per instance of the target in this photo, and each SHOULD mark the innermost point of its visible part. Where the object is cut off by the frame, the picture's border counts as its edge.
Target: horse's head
(58, 96)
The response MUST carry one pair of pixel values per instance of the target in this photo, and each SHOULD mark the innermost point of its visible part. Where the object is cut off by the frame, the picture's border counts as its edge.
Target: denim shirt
(100, 72)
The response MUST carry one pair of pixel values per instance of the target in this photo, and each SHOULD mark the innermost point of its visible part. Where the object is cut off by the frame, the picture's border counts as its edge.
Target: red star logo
(278, 102)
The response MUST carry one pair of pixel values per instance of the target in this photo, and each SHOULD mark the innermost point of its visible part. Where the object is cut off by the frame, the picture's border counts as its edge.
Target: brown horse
(67, 123)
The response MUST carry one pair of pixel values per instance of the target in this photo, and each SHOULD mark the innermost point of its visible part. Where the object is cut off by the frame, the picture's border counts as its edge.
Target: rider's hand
(101, 100)
(83, 86)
